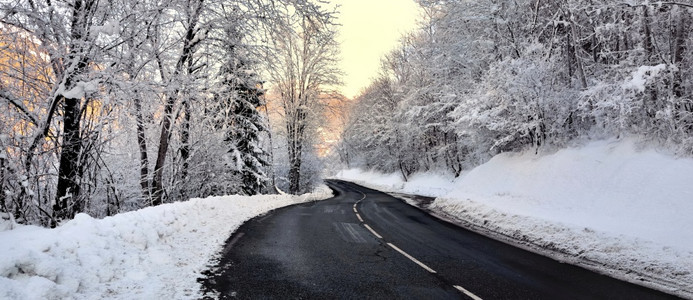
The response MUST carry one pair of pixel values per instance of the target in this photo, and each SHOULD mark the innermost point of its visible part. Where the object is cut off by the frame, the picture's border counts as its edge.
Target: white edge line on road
(356, 203)
(364, 196)
(373, 231)
(411, 258)
(466, 292)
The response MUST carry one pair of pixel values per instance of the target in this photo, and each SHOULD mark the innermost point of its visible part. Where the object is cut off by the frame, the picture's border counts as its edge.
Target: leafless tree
(302, 65)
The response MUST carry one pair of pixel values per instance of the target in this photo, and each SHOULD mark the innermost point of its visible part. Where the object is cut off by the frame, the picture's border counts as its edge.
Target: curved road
(366, 244)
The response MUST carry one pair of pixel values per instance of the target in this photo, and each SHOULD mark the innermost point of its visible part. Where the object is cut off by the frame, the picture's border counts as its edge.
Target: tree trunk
(157, 184)
(403, 170)
(185, 143)
(295, 143)
(271, 152)
(578, 63)
(142, 143)
(67, 202)
(3, 205)
(141, 132)
(295, 174)
(678, 50)
(649, 47)
(650, 104)
(185, 134)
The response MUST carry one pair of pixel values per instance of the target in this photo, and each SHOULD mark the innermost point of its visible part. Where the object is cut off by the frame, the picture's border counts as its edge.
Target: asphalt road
(366, 244)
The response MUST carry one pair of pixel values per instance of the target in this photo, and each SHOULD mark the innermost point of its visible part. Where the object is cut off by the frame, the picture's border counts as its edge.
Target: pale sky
(370, 29)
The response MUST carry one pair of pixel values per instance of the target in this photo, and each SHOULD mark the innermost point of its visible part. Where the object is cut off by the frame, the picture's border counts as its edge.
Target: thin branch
(17, 103)
(657, 3)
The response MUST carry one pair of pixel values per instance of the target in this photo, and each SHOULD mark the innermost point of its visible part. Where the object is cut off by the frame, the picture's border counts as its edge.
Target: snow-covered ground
(153, 253)
(611, 206)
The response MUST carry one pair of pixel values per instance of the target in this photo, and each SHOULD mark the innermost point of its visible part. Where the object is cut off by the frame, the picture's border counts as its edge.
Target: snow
(80, 89)
(642, 76)
(109, 28)
(611, 206)
(200, 35)
(153, 253)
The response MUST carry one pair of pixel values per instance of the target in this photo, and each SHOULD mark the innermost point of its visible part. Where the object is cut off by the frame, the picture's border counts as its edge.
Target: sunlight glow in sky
(370, 29)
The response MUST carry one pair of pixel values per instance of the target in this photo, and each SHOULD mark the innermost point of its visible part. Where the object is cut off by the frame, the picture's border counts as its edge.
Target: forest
(112, 106)
(490, 76)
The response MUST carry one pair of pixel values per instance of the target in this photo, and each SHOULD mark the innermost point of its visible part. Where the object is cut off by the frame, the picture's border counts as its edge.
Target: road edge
(205, 277)
(627, 275)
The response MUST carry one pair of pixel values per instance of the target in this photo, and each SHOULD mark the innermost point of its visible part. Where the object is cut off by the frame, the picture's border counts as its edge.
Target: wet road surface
(366, 244)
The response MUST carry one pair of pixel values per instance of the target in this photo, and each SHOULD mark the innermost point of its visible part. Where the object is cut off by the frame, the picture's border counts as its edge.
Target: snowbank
(608, 206)
(153, 253)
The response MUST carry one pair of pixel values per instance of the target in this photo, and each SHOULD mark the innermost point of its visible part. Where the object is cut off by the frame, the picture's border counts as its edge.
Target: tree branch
(17, 103)
(658, 3)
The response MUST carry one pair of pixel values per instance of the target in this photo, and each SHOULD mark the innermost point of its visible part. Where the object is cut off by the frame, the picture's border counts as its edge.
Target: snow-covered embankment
(153, 253)
(608, 206)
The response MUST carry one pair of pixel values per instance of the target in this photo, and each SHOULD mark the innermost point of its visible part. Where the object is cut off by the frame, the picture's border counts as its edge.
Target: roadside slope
(608, 206)
(153, 253)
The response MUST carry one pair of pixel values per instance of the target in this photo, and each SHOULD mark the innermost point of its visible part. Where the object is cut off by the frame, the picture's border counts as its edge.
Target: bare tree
(66, 39)
(193, 35)
(302, 65)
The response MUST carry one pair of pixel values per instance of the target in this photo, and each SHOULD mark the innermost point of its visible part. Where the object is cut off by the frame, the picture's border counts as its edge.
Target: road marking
(466, 292)
(411, 258)
(373, 231)
(364, 196)
(427, 268)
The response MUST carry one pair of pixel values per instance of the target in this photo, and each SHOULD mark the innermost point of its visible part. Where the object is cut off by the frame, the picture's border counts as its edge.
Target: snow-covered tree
(105, 104)
(301, 63)
(482, 77)
(239, 96)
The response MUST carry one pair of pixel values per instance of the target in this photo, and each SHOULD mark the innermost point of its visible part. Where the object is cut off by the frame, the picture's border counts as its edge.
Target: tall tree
(193, 35)
(240, 96)
(302, 65)
(67, 39)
